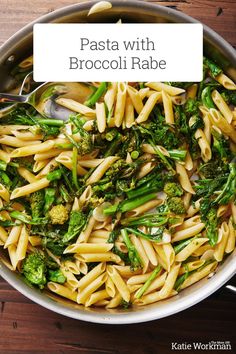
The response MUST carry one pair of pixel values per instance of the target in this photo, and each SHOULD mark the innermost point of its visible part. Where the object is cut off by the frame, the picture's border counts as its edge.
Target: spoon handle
(7, 97)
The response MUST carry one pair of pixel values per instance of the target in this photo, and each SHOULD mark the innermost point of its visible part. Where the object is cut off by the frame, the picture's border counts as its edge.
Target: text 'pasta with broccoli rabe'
(127, 52)
(130, 200)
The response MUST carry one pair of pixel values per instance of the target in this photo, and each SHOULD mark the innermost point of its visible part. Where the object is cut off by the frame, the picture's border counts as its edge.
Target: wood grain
(28, 328)
(219, 15)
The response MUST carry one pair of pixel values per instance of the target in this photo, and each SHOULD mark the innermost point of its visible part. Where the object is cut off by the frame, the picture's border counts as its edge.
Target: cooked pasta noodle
(130, 200)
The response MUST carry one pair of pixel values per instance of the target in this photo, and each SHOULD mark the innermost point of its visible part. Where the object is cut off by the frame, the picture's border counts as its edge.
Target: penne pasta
(84, 294)
(62, 291)
(129, 201)
(135, 98)
(31, 150)
(148, 107)
(184, 179)
(101, 117)
(225, 81)
(159, 86)
(29, 188)
(101, 169)
(120, 104)
(170, 281)
(119, 283)
(76, 107)
(222, 106)
(188, 232)
(168, 108)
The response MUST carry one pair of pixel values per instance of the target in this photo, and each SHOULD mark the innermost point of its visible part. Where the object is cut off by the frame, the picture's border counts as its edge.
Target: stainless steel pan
(16, 49)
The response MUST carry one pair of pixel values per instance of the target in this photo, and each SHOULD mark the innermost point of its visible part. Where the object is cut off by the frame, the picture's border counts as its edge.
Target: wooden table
(28, 328)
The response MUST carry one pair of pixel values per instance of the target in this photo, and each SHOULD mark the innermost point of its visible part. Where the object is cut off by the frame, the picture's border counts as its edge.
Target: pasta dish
(130, 200)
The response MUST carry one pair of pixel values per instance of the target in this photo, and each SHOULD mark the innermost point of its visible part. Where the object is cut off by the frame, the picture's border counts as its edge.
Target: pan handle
(231, 288)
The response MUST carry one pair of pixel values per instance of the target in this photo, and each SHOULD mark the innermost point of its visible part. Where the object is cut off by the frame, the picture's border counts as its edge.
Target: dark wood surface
(28, 328)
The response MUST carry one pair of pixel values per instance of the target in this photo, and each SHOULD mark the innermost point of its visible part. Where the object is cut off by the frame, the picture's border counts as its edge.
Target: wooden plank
(28, 328)
(219, 15)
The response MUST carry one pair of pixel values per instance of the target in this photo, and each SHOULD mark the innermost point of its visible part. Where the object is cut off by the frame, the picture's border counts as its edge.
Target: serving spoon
(42, 98)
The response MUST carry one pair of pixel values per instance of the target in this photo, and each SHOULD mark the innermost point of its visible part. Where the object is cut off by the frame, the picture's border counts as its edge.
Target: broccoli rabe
(52, 240)
(209, 217)
(198, 123)
(191, 106)
(121, 169)
(5, 180)
(85, 145)
(37, 204)
(34, 269)
(76, 224)
(161, 134)
(181, 120)
(56, 276)
(213, 169)
(131, 143)
(96, 95)
(27, 219)
(207, 187)
(58, 214)
(221, 146)
(220, 189)
(212, 67)
(129, 204)
(133, 255)
(26, 162)
(176, 205)
(173, 189)
(229, 97)
(228, 191)
(206, 97)
(124, 186)
(50, 194)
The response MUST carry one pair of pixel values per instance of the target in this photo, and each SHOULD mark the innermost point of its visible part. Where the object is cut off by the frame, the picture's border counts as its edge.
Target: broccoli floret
(59, 214)
(191, 107)
(52, 240)
(173, 189)
(131, 143)
(116, 168)
(56, 276)
(95, 200)
(34, 269)
(212, 66)
(133, 255)
(124, 186)
(85, 145)
(77, 222)
(160, 133)
(26, 162)
(209, 217)
(5, 180)
(222, 186)
(213, 169)
(176, 205)
(163, 135)
(122, 169)
(102, 187)
(207, 187)
(229, 97)
(198, 124)
(221, 146)
(37, 203)
(181, 121)
(228, 191)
